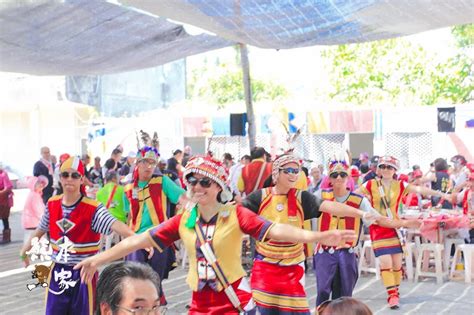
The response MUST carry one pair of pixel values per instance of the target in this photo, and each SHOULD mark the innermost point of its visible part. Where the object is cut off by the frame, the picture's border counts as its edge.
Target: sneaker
(394, 302)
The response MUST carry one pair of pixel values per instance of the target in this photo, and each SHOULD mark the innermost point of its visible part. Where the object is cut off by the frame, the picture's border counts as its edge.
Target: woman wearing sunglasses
(278, 272)
(385, 194)
(212, 231)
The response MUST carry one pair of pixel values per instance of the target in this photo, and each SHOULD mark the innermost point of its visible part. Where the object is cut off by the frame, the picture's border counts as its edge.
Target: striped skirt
(279, 289)
(385, 241)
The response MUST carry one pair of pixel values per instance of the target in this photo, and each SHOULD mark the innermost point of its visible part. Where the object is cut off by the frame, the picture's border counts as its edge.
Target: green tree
(455, 81)
(397, 71)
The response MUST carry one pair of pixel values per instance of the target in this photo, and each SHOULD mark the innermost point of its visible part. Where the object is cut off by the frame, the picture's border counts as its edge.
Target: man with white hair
(46, 168)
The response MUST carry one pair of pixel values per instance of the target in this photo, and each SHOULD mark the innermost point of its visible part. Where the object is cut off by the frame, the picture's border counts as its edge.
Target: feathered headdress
(209, 142)
(149, 147)
(291, 138)
(339, 162)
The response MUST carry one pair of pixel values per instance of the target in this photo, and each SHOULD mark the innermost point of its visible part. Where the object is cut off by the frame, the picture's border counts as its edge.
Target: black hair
(440, 164)
(110, 164)
(305, 170)
(116, 151)
(228, 156)
(110, 284)
(178, 151)
(364, 168)
(246, 157)
(257, 153)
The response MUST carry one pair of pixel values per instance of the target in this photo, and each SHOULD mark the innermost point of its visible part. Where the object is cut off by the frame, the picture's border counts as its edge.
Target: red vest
(250, 174)
(328, 222)
(85, 240)
(155, 198)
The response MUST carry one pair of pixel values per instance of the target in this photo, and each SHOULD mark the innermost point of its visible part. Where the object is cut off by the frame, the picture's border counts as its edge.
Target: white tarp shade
(298, 23)
(90, 37)
(78, 37)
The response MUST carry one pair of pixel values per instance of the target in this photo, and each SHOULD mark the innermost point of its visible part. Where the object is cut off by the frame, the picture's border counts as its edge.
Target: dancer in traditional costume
(74, 223)
(336, 269)
(385, 194)
(277, 279)
(212, 232)
(148, 196)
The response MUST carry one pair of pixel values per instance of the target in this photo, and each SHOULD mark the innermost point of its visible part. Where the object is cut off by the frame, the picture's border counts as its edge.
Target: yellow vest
(275, 208)
(226, 244)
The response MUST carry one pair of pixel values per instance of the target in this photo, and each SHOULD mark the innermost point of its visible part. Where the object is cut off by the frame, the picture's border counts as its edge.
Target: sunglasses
(290, 170)
(74, 175)
(336, 175)
(205, 182)
(388, 167)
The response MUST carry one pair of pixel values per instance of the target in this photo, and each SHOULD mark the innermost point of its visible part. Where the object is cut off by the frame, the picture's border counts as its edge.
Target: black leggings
(6, 224)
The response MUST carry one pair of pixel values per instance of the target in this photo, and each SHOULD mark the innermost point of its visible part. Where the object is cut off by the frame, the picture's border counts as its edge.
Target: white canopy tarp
(79, 37)
(297, 23)
(90, 37)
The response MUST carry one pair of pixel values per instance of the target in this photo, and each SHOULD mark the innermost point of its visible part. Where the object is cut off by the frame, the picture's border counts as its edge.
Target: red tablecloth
(431, 225)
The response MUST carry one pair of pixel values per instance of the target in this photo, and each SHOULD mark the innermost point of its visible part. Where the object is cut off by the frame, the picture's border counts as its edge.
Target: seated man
(127, 287)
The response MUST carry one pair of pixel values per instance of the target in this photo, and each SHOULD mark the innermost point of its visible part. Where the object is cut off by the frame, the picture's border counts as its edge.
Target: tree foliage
(223, 84)
(397, 71)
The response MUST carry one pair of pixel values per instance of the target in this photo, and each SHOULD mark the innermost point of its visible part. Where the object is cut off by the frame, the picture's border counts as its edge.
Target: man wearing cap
(148, 197)
(336, 269)
(112, 195)
(75, 224)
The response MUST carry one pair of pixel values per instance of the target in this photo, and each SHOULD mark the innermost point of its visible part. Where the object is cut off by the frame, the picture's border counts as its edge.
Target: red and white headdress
(282, 160)
(390, 161)
(209, 167)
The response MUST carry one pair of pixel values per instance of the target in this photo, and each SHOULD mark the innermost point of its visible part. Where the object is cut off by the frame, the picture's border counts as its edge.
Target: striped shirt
(101, 223)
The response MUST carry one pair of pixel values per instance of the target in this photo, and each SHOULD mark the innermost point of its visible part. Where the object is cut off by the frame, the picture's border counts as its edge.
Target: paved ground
(417, 298)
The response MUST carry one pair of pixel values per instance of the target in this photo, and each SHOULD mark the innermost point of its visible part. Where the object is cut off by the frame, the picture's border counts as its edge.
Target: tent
(65, 37)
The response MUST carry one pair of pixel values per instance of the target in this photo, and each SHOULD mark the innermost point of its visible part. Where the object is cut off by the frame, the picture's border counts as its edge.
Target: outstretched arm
(340, 209)
(130, 244)
(426, 191)
(398, 223)
(289, 233)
